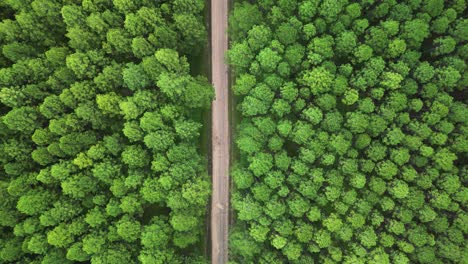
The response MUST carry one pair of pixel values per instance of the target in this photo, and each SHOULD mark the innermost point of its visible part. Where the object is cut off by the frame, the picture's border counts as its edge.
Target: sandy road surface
(220, 133)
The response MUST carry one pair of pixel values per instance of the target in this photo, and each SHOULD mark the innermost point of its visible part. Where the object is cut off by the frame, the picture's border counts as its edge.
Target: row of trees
(353, 133)
(100, 121)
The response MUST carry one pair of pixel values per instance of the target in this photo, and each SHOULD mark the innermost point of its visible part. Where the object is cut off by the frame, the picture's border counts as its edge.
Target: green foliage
(135, 77)
(352, 139)
(100, 120)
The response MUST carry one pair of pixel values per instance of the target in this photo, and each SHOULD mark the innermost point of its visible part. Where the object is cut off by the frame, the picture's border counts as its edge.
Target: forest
(352, 131)
(100, 127)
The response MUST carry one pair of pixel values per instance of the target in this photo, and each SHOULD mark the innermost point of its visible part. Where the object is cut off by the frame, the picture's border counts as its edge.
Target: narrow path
(220, 133)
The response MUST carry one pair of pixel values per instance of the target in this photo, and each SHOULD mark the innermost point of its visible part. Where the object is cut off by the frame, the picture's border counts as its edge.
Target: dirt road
(220, 133)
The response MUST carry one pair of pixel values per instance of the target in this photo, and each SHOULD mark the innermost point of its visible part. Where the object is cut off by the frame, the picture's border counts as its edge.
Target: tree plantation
(100, 121)
(349, 128)
(352, 132)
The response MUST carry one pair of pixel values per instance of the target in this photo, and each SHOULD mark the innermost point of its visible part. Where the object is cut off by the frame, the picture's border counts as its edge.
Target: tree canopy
(352, 136)
(100, 122)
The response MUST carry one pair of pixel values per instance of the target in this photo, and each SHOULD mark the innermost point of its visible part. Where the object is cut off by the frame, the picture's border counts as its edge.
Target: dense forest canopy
(352, 132)
(100, 120)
